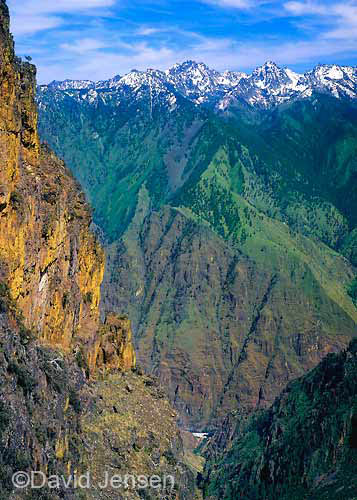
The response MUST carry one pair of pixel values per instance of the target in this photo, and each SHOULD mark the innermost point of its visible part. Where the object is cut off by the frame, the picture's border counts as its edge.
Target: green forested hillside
(227, 234)
(303, 448)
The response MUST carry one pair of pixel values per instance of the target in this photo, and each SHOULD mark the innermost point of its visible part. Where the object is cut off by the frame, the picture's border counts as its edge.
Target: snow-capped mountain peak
(270, 76)
(269, 85)
(112, 83)
(231, 78)
(137, 78)
(340, 81)
(297, 80)
(72, 84)
(193, 79)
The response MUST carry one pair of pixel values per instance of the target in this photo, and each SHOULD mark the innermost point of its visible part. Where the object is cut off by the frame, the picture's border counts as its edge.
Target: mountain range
(266, 87)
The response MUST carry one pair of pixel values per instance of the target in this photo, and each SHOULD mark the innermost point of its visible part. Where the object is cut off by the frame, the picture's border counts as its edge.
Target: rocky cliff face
(64, 375)
(54, 421)
(51, 261)
(43, 395)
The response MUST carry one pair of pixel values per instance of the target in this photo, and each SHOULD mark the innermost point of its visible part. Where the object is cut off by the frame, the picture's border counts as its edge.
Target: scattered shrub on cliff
(4, 418)
(3, 297)
(7, 304)
(353, 433)
(170, 457)
(46, 230)
(74, 401)
(50, 197)
(88, 298)
(24, 378)
(82, 361)
(65, 299)
(16, 199)
(353, 346)
(26, 335)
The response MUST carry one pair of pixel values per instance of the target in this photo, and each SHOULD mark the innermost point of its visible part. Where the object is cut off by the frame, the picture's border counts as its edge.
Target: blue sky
(97, 39)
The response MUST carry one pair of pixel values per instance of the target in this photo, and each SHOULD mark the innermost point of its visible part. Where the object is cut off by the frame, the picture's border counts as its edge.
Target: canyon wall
(49, 258)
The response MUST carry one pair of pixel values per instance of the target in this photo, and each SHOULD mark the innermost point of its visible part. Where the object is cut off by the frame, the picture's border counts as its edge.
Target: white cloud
(148, 31)
(346, 27)
(32, 16)
(220, 54)
(236, 4)
(99, 53)
(28, 24)
(233, 4)
(83, 46)
(305, 8)
(57, 6)
(340, 19)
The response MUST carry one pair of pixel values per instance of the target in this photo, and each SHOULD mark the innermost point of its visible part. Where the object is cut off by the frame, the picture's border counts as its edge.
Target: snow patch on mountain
(71, 84)
(267, 86)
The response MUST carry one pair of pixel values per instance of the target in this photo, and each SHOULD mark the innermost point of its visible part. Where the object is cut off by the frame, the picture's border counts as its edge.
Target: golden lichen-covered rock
(18, 116)
(114, 346)
(50, 260)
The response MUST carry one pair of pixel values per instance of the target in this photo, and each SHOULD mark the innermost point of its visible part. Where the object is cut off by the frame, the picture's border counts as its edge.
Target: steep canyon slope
(229, 225)
(302, 448)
